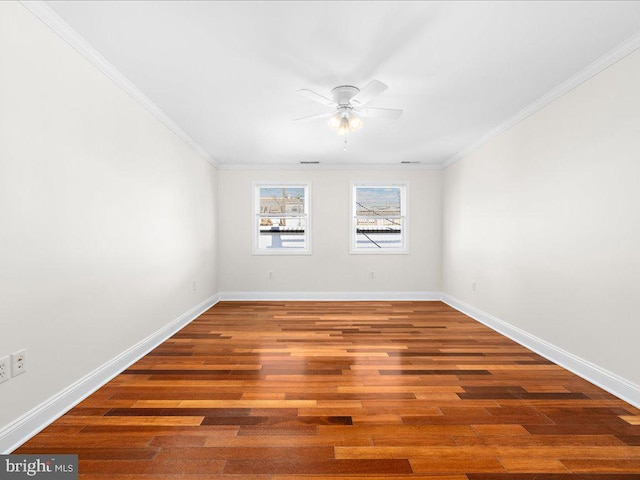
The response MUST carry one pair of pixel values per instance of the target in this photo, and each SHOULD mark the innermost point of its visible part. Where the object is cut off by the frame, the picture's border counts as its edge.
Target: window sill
(280, 252)
(379, 252)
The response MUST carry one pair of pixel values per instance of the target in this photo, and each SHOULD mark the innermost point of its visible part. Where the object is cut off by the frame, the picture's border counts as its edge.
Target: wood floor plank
(460, 464)
(533, 464)
(133, 421)
(388, 467)
(346, 391)
(602, 465)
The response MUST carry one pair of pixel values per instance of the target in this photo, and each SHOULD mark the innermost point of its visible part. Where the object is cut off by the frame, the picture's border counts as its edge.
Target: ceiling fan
(348, 106)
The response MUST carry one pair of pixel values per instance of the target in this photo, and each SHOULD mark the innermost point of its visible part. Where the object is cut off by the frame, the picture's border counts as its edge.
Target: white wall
(106, 217)
(330, 268)
(546, 219)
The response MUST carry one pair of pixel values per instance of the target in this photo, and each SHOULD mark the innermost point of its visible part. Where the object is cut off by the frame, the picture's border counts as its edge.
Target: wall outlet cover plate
(4, 369)
(18, 363)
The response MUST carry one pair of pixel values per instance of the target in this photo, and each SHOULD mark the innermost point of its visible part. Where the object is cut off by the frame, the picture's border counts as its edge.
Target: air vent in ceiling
(310, 163)
(406, 162)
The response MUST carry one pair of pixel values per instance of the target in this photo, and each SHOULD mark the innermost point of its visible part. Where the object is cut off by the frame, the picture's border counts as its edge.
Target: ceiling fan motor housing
(343, 94)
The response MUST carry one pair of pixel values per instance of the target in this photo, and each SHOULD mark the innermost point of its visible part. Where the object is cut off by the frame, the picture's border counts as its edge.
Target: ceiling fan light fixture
(344, 126)
(345, 121)
(335, 120)
(354, 122)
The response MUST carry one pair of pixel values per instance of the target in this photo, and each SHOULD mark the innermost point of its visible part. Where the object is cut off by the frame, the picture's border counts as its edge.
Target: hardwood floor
(346, 390)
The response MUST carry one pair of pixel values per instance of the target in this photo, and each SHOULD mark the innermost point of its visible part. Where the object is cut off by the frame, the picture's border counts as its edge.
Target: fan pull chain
(344, 149)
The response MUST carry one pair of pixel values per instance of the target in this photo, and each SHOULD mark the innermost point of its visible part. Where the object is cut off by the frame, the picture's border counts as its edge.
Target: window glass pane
(281, 232)
(379, 232)
(378, 201)
(285, 200)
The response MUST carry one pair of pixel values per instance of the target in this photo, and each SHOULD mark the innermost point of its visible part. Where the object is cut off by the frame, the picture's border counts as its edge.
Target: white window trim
(352, 217)
(255, 229)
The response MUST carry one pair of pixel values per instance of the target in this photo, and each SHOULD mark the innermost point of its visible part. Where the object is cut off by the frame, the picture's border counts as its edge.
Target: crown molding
(618, 53)
(327, 166)
(51, 19)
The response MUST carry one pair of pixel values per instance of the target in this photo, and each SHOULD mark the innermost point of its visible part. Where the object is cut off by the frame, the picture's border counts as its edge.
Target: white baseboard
(330, 296)
(19, 431)
(612, 383)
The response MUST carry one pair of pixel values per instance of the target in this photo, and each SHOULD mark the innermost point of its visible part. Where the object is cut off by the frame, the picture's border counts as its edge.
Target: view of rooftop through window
(281, 200)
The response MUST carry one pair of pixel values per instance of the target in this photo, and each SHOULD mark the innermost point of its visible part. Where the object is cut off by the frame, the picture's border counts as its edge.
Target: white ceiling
(227, 72)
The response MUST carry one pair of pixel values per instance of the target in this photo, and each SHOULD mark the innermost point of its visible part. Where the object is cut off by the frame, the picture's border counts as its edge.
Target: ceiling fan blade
(313, 117)
(390, 113)
(371, 90)
(316, 97)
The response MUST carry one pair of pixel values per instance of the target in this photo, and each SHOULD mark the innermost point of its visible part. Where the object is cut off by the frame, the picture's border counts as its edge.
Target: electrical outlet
(4, 369)
(473, 286)
(18, 363)
(372, 275)
(272, 275)
(195, 285)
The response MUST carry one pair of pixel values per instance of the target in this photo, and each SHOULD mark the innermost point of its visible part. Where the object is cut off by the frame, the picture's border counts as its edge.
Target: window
(379, 218)
(281, 224)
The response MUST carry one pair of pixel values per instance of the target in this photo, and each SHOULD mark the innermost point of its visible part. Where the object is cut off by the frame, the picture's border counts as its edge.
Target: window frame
(404, 214)
(256, 250)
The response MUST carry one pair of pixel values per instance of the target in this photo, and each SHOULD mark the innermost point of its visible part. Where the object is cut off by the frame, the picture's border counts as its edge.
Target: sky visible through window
(270, 192)
(377, 199)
